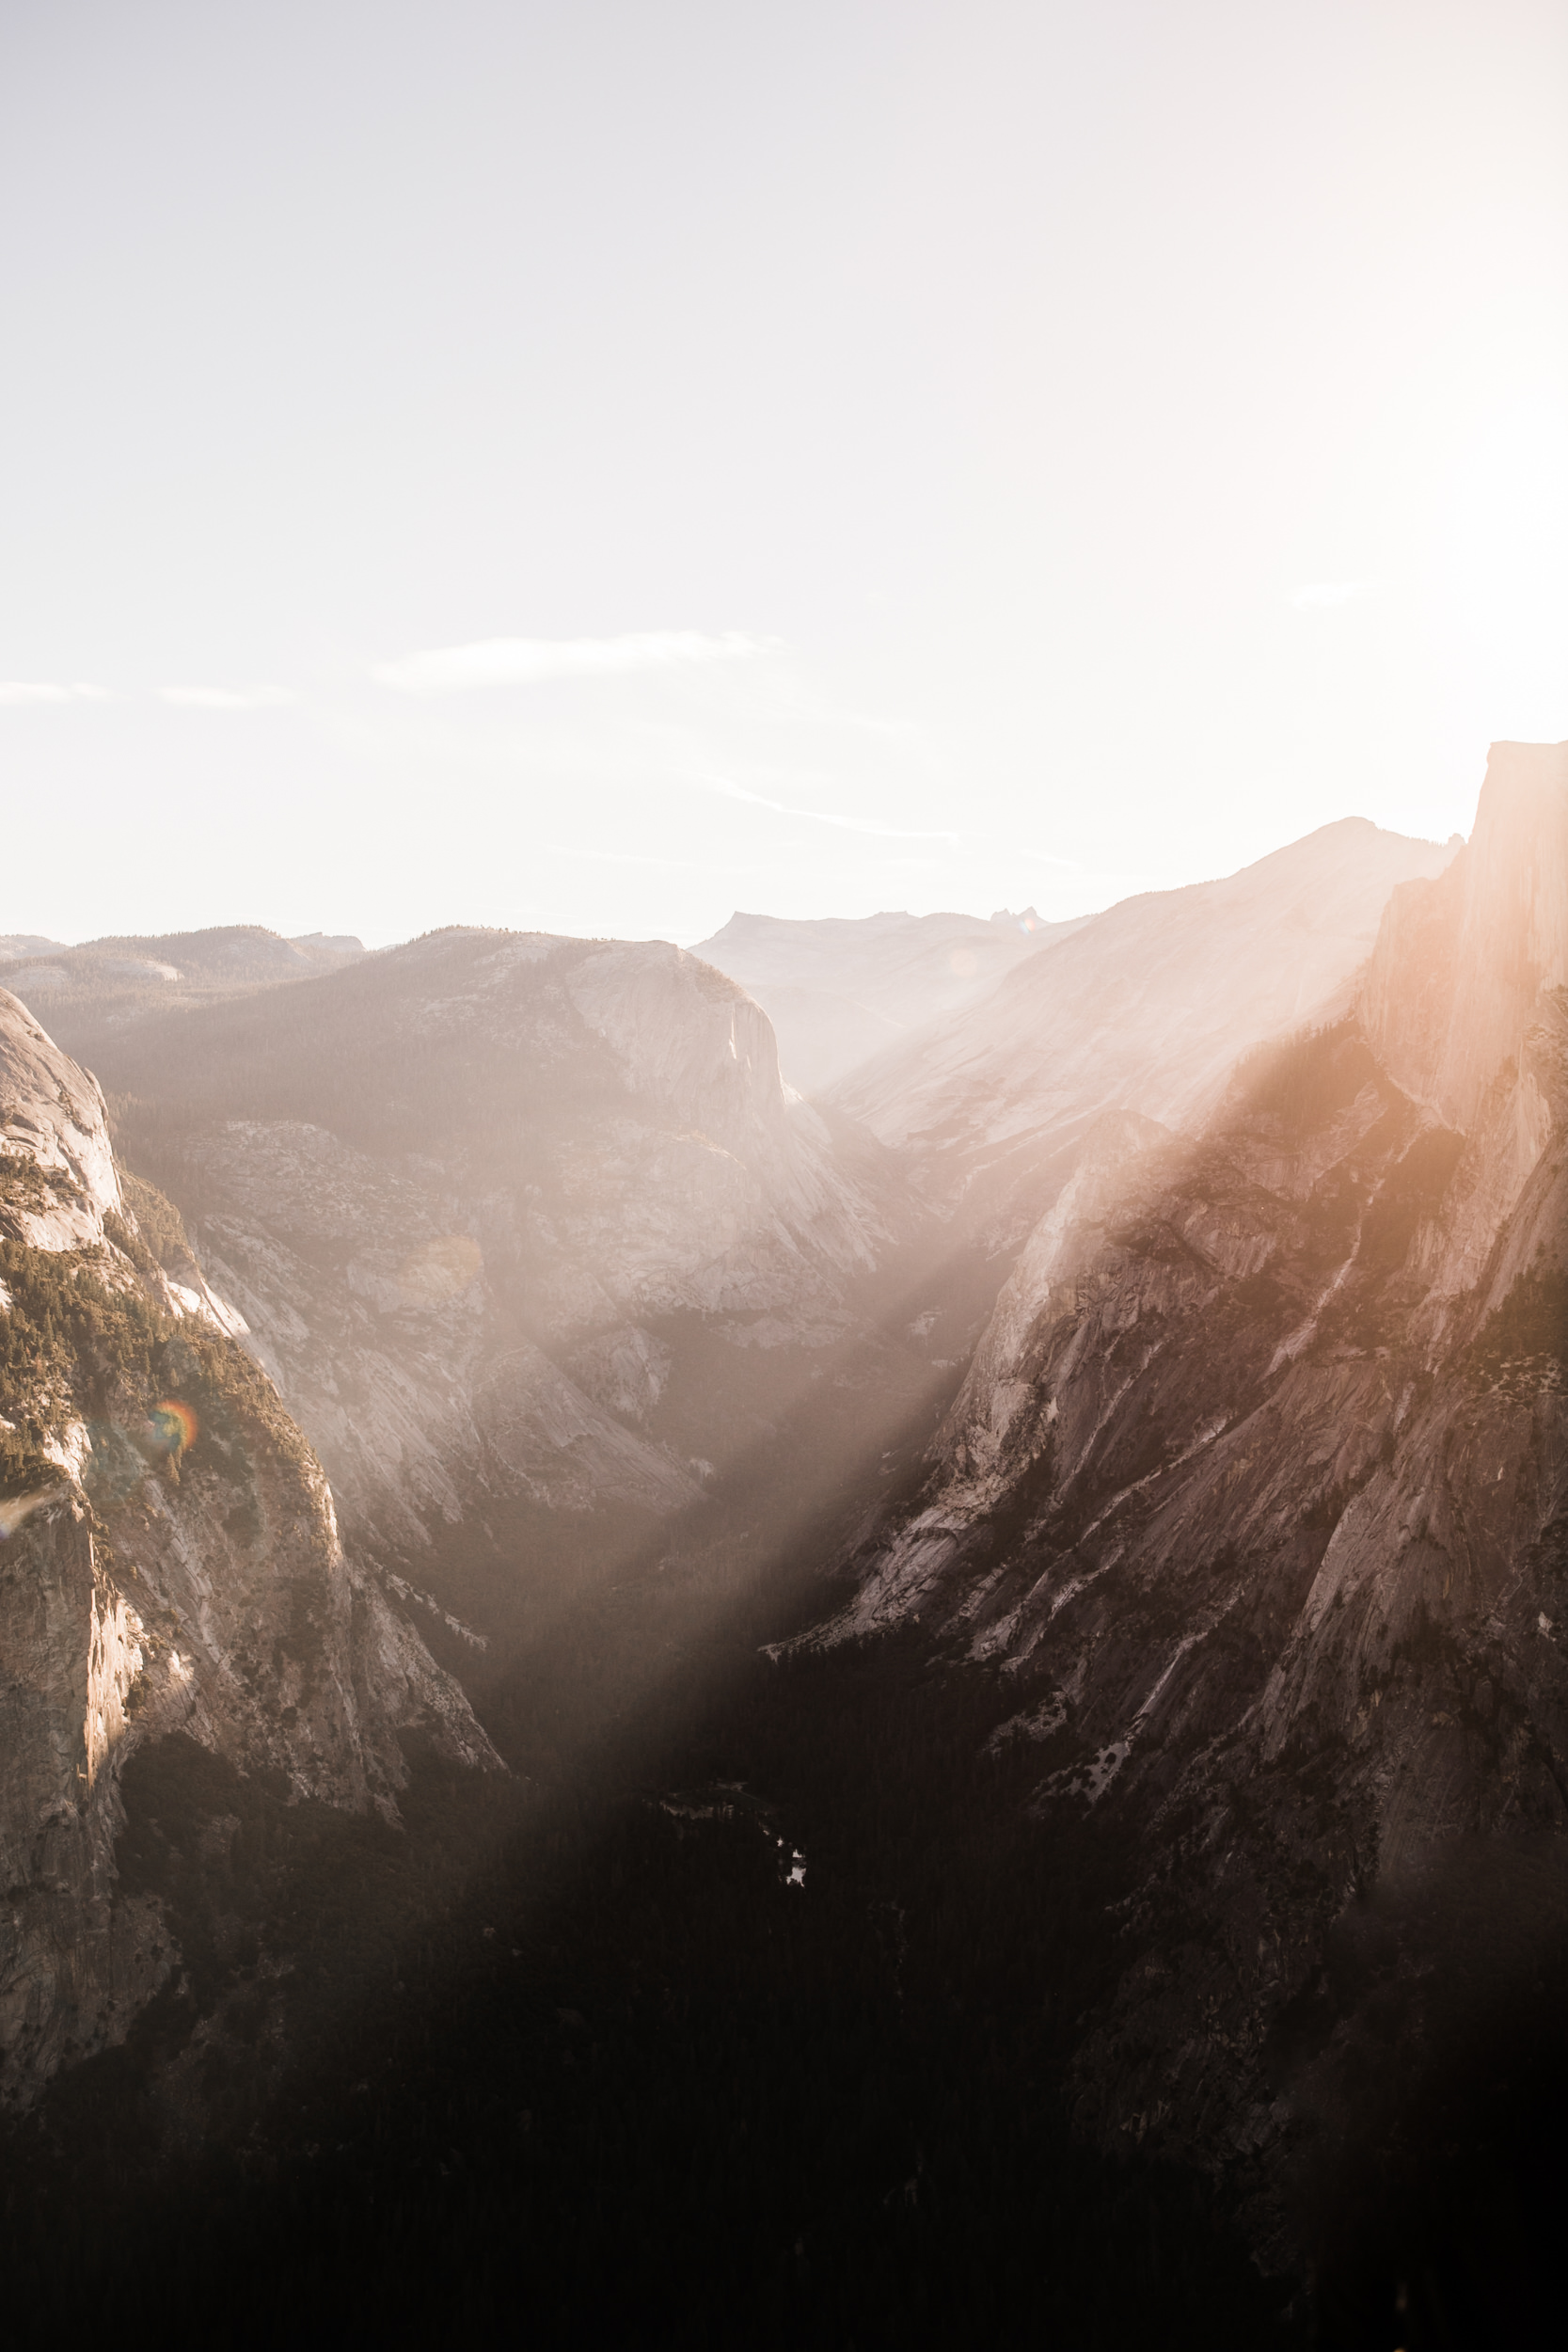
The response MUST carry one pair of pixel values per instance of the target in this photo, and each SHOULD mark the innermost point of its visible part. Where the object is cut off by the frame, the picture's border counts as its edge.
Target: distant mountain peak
(330, 942)
(840, 990)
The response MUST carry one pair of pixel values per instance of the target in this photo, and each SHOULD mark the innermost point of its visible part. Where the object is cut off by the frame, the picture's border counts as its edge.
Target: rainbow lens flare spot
(172, 1426)
(439, 1270)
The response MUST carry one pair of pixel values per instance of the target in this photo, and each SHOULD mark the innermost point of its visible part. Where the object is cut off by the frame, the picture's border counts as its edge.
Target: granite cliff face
(1254, 1493)
(470, 1193)
(168, 1562)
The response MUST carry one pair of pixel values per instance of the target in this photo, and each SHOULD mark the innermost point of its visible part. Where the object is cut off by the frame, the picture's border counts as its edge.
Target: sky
(593, 465)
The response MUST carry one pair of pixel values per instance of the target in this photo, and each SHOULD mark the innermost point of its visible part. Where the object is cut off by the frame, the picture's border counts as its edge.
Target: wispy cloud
(31, 690)
(226, 697)
(526, 661)
(1316, 595)
(820, 816)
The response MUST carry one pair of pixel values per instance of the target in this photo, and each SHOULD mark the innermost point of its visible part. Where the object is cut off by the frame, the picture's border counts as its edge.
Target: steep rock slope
(1257, 1493)
(1144, 1008)
(168, 1562)
(839, 992)
(463, 1191)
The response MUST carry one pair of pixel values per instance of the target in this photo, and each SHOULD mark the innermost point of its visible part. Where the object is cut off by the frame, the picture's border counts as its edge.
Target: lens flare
(439, 1270)
(171, 1426)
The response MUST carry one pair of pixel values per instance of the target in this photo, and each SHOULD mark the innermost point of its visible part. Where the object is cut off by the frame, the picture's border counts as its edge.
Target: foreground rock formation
(168, 1562)
(1256, 1493)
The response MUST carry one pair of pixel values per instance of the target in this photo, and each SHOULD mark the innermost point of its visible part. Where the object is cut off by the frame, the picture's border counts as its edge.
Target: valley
(1090, 1481)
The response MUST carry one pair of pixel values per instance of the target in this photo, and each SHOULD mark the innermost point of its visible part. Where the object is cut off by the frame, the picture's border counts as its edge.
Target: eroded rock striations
(168, 1562)
(1255, 1492)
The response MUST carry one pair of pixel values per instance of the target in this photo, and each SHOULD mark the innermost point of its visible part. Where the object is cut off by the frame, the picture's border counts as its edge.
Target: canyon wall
(169, 1561)
(1253, 1499)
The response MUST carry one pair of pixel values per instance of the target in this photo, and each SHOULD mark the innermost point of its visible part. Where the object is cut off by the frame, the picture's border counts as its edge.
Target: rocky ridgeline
(1254, 1493)
(1143, 1010)
(169, 1561)
(85, 992)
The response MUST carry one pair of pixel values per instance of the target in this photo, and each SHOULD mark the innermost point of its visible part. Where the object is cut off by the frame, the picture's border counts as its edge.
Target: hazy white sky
(597, 465)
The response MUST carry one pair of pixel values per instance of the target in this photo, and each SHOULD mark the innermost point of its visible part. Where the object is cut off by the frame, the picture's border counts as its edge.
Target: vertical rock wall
(168, 1562)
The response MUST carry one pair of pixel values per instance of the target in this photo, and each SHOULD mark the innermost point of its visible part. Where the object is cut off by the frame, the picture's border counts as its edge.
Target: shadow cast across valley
(741, 2012)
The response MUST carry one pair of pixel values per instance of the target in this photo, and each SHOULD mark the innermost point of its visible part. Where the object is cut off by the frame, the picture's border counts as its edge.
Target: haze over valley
(784, 1250)
(466, 1396)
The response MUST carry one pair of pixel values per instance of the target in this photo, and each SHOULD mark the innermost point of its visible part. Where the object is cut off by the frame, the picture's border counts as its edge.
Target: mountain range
(1137, 1368)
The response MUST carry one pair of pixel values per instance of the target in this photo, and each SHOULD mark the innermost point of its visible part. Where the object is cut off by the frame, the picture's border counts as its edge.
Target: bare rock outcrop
(170, 1561)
